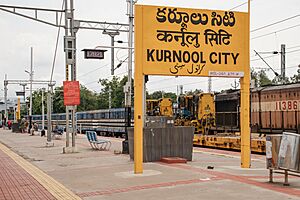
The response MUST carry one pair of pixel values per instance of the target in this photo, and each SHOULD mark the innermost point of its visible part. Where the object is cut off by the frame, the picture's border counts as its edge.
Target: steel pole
(130, 4)
(49, 126)
(5, 99)
(73, 68)
(67, 72)
(130, 42)
(283, 63)
(24, 97)
(112, 54)
(30, 97)
(112, 39)
(209, 84)
(43, 110)
(109, 98)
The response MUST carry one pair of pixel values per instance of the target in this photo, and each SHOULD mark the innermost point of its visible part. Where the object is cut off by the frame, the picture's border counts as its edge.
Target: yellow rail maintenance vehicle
(166, 107)
(159, 107)
(152, 108)
(198, 111)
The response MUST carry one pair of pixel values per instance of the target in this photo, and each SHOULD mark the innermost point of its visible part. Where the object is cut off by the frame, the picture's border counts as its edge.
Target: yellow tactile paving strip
(55, 188)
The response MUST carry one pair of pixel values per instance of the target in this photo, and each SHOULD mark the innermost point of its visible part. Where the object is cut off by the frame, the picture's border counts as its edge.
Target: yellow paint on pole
(18, 110)
(138, 96)
(245, 108)
(245, 122)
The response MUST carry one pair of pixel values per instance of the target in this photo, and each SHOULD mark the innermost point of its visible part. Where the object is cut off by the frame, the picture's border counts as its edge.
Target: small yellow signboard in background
(191, 42)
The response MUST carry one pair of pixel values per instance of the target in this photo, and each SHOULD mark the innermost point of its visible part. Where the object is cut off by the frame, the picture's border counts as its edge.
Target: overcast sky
(18, 34)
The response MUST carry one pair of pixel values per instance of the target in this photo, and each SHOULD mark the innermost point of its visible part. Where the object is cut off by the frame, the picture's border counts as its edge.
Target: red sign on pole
(71, 93)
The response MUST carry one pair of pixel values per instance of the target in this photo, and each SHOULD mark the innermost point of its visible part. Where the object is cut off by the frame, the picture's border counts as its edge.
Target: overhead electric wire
(56, 45)
(274, 23)
(89, 83)
(284, 29)
(158, 81)
(293, 51)
(275, 55)
(267, 69)
(239, 5)
(290, 67)
(292, 47)
(93, 70)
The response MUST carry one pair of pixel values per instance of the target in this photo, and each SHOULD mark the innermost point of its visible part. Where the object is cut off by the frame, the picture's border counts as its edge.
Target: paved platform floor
(30, 170)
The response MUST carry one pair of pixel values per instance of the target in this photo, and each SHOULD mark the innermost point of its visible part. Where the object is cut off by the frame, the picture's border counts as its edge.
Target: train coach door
(190, 42)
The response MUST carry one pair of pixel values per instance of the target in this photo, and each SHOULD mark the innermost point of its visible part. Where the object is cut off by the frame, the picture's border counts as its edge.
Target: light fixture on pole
(282, 52)
(256, 53)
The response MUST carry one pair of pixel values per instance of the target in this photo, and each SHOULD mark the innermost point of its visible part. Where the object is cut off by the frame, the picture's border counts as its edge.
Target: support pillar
(49, 142)
(245, 122)
(245, 106)
(138, 121)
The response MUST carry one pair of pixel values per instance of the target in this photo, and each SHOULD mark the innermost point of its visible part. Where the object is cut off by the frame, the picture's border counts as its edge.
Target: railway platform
(30, 170)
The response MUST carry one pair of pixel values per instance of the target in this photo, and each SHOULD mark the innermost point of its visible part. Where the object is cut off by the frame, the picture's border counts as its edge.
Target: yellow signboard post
(18, 115)
(190, 42)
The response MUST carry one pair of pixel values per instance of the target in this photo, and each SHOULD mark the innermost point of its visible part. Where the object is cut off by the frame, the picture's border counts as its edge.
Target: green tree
(296, 77)
(36, 102)
(161, 94)
(278, 80)
(24, 111)
(58, 100)
(88, 100)
(260, 78)
(263, 78)
(115, 85)
(254, 77)
(193, 92)
(156, 95)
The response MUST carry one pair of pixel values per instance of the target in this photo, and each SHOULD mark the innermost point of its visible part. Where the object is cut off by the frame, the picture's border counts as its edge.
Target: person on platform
(22, 125)
(9, 124)
(4, 123)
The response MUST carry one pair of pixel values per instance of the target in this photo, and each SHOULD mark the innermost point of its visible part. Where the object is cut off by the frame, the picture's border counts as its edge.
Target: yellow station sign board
(191, 42)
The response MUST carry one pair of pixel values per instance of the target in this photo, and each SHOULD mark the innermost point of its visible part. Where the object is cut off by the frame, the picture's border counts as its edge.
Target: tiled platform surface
(16, 183)
(92, 174)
